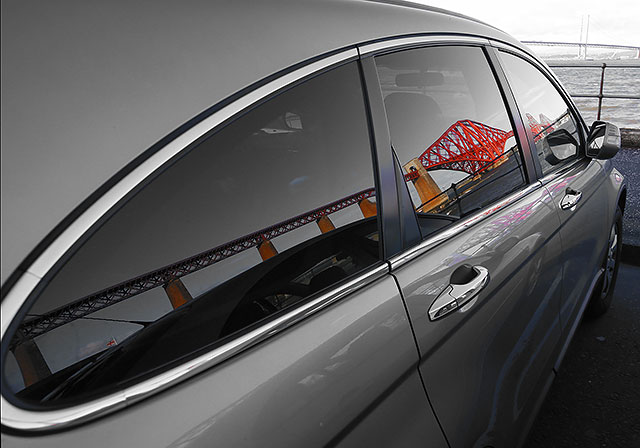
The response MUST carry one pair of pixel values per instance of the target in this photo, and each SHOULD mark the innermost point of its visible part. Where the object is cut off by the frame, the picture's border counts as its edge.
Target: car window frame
(581, 126)
(21, 292)
(413, 248)
(43, 262)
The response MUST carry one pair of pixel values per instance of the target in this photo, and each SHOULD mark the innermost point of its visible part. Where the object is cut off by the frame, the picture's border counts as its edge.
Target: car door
(483, 286)
(247, 277)
(574, 181)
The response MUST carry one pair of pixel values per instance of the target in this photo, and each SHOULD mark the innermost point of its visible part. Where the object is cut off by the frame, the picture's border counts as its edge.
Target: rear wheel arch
(622, 199)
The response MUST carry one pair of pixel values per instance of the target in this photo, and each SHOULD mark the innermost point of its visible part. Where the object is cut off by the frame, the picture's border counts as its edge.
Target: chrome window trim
(408, 42)
(61, 244)
(542, 66)
(563, 170)
(503, 46)
(428, 244)
(582, 127)
(22, 419)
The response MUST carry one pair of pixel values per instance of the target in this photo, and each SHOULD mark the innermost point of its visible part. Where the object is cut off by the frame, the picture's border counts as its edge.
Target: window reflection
(554, 132)
(450, 130)
(273, 209)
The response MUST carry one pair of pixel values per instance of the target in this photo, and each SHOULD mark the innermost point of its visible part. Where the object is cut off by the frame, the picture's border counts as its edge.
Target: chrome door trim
(523, 52)
(428, 244)
(23, 419)
(19, 418)
(563, 170)
(407, 42)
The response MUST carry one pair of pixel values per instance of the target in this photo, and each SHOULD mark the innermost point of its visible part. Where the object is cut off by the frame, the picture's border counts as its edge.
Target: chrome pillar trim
(404, 42)
(502, 45)
(426, 245)
(23, 419)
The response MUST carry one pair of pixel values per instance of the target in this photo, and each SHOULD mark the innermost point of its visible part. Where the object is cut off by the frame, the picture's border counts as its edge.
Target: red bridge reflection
(466, 146)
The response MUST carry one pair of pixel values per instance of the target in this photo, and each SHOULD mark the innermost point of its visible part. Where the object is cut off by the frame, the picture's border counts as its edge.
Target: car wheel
(603, 292)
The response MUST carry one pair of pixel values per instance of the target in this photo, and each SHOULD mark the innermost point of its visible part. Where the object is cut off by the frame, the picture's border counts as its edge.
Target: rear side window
(548, 118)
(450, 130)
(275, 208)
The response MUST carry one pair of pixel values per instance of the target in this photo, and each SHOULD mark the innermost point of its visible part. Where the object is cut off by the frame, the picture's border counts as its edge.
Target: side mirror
(560, 145)
(603, 141)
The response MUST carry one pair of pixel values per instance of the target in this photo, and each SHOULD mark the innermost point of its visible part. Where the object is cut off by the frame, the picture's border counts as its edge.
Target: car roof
(88, 86)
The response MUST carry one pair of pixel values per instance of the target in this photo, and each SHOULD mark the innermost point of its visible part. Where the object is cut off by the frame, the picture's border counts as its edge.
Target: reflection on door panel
(274, 208)
(481, 363)
(483, 366)
(583, 226)
(450, 131)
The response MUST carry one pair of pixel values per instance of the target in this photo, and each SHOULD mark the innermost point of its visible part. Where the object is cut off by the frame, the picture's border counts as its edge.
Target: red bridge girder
(467, 146)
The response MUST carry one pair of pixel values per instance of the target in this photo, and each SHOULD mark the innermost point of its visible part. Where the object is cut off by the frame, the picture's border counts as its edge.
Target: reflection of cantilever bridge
(466, 145)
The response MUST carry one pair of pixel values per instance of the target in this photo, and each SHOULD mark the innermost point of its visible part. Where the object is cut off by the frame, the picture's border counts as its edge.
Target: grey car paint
(485, 367)
(584, 231)
(353, 365)
(88, 86)
(345, 374)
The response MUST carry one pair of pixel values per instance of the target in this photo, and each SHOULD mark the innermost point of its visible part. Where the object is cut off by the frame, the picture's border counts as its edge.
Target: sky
(611, 21)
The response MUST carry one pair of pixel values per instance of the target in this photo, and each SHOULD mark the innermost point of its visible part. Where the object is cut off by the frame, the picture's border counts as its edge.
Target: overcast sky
(611, 21)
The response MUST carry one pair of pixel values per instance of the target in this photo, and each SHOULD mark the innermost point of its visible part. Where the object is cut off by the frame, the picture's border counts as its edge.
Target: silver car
(289, 223)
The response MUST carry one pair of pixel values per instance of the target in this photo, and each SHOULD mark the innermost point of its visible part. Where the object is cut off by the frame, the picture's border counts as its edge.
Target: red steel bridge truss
(466, 146)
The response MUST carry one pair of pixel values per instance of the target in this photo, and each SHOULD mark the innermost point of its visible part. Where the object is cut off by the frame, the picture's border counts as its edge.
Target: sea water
(624, 113)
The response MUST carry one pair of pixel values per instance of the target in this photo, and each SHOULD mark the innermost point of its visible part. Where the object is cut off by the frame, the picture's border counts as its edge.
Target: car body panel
(353, 364)
(583, 231)
(112, 80)
(348, 374)
(483, 367)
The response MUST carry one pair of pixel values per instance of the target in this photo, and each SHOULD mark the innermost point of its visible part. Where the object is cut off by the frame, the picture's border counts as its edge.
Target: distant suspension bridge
(583, 46)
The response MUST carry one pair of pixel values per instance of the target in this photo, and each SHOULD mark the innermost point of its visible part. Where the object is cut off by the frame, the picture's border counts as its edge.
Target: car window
(545, 113)
(274, 208)
(450, 130)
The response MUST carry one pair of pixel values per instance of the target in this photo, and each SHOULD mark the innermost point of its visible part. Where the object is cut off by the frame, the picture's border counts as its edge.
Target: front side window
(450, 130)
(273, 209)
(545, 113)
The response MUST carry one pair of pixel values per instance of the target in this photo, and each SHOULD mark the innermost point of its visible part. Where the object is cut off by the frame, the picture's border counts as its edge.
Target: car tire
(603, 292)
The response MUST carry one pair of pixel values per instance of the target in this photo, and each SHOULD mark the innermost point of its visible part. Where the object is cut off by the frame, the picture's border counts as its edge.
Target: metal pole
(581, 29)
(586, 38)
(604, 66)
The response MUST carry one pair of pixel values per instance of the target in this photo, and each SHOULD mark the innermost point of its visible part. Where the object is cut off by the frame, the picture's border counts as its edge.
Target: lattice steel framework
(117, 293)
(467, 146)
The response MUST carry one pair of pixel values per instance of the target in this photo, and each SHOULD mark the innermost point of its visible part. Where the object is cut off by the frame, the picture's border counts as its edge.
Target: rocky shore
(630, 138)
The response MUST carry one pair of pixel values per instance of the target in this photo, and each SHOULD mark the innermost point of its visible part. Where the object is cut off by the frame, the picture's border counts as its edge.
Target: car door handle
(466, 283)
(570, 199)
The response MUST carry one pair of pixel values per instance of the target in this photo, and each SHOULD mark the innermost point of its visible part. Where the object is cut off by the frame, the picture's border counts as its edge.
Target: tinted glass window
(450, 130)
(544, 112)
(276, 207)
